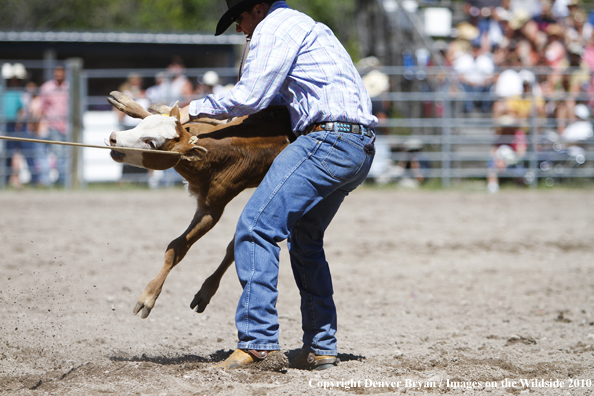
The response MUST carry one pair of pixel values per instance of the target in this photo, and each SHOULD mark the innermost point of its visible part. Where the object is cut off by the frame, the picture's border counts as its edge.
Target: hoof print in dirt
(520, 340)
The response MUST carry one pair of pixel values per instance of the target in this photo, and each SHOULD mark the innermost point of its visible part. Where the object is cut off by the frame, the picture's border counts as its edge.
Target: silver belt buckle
(356, 129)
(329, 126)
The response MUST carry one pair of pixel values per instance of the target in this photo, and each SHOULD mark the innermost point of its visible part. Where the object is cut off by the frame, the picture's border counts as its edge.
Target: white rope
(88, 145)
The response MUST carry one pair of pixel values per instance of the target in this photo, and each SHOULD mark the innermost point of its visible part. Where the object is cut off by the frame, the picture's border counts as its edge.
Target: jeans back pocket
(345, 158)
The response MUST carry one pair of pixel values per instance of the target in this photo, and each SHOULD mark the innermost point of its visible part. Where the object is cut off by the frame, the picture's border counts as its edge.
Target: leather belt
(345, 127)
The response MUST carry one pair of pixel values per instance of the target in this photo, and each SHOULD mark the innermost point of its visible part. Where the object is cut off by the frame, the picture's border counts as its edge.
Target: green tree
(189, 16)
(150, 15)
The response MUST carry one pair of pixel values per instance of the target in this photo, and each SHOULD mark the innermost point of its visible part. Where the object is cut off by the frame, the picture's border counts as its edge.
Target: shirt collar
(276, 5)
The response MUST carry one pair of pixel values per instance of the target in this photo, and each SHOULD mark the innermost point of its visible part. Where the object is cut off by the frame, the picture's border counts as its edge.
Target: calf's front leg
(202, 222)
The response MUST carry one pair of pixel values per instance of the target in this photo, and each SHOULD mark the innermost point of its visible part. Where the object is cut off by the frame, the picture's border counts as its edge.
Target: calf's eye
(150, 143)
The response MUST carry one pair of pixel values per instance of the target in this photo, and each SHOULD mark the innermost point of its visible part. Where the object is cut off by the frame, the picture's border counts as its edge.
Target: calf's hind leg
(211, 284)
(126, 105)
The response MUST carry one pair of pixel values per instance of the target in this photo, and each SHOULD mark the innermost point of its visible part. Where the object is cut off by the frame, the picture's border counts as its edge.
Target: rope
(245, 48)
(88, 145)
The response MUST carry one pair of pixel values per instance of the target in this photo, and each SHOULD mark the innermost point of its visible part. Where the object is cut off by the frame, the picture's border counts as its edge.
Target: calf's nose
(113, 139)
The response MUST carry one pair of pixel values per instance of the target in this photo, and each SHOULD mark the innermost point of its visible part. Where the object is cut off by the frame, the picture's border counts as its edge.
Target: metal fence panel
(435, 140)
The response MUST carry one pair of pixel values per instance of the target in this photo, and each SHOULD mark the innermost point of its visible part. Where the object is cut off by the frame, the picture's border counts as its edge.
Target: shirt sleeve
(268, 63)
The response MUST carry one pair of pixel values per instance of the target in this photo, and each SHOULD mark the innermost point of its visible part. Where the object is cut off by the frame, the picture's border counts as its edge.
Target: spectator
(546, 17)
(455, 49)
(560, 9)
(132, 87)
(528, 41)
(508, 83)
(180, 87)
(588, 54)
(411, 163)
(503, 48)
(578, 29)
(574, 7)
(581, 129)
(555, 52)
(579, 79)
(209, 85)
(482, 15)
(377, 85)
(521, 106)
(37, 129)
(11, 101)
(553, 89)
(159, 93)
(533, 7)
(55, 109)
(508, 151)
(475, 71)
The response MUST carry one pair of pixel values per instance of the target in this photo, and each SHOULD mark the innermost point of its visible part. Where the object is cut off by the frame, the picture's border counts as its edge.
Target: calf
(218, 159)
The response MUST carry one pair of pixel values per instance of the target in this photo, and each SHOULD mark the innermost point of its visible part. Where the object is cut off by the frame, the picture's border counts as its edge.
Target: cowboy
(299, 63)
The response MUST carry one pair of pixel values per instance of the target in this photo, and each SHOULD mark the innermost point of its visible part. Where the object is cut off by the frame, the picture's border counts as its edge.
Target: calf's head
(158, 133)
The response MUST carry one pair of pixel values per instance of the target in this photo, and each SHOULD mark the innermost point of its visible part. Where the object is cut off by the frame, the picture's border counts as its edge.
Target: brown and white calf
(218, 159)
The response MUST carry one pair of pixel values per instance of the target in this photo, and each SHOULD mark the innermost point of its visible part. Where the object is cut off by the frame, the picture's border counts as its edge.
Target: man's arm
(266, 69)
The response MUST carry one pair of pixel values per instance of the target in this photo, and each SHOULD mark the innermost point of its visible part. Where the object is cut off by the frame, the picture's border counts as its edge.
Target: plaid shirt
(55, 104)
(299, 63)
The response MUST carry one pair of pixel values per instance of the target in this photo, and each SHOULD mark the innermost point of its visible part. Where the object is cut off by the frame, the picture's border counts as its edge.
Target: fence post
(4, 170)
(534, 167)
(85, 107)
(446, 144)
(75, 65)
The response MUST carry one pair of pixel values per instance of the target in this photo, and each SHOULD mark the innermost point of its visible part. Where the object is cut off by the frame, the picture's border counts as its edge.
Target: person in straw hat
(299, 63)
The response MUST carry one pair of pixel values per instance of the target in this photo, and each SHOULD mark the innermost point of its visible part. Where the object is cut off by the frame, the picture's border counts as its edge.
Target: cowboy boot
(240, 358)
(306, 360)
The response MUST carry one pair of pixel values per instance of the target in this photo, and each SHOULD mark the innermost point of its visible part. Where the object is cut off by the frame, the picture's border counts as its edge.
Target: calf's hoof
(200, 301)
(141, 307)
(117, 100)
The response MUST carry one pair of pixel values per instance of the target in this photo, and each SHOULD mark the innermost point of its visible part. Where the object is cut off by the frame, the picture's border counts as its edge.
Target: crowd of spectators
(34, 112)
(508, 46)
(529, 58)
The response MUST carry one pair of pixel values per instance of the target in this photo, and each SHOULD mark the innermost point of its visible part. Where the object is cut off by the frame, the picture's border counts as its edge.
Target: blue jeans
(63, 156)
(469, 105)
(297, 199)
(33, 153)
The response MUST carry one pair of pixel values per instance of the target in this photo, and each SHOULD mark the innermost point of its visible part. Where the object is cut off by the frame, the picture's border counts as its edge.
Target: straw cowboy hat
(467, 32)
(235, 8)
(376, 83)
(519, 18)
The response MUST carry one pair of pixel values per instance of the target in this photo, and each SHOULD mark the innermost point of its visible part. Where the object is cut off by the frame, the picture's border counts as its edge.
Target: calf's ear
(175, 111)
(194, 154)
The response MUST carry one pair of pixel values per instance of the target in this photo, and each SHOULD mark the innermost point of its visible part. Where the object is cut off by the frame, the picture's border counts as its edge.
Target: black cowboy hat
(236, 7)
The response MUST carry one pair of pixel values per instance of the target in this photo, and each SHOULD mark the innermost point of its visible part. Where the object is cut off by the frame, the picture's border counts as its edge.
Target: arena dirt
(437, 292)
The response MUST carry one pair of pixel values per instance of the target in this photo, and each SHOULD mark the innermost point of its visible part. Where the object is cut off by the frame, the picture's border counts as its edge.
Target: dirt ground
(454, 292)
